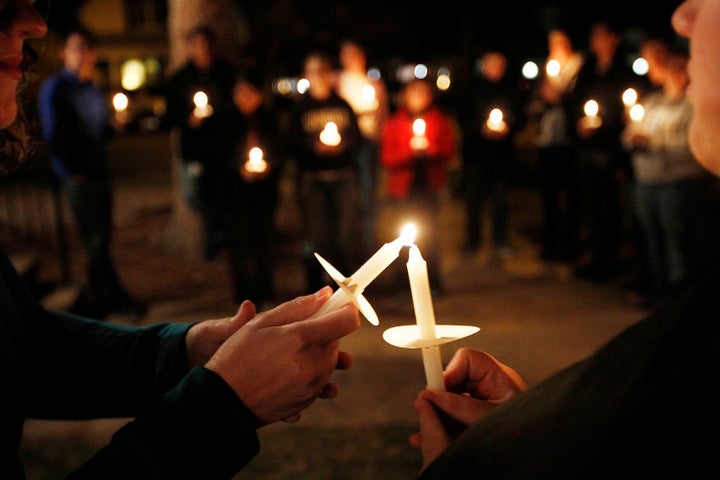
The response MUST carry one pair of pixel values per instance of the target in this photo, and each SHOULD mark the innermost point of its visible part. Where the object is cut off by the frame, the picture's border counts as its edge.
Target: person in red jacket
(416, 149)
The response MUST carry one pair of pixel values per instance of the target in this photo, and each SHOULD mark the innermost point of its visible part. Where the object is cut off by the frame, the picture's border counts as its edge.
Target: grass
(296, 453)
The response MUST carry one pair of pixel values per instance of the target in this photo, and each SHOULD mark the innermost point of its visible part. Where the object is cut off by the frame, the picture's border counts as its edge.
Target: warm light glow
(640, 66)
(496, 116)
(408, 234)
(443, 82)
(133, 74)
(420, 71)
(591, 108)
(120, 102)
(553, 68)
(629, 97)
(302, 85)
(418, 127)
(200, 99)
(637, 112)
(530, 70)
(368, 93)
(330, 135)
(255, 163)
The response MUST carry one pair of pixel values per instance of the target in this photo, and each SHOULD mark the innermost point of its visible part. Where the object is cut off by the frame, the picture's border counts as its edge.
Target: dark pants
(330, 208)
(91, 204)
(561, 202)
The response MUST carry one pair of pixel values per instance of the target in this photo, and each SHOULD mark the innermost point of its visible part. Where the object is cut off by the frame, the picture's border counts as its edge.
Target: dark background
(421, 31)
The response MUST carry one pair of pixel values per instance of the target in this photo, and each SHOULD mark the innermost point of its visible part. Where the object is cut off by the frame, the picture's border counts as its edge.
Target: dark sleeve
(198, 430)
(83, 368)
(620, 410)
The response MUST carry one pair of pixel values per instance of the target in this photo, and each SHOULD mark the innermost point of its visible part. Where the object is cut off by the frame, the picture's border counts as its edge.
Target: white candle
(376, 264)
(368, 272)
(425, 318)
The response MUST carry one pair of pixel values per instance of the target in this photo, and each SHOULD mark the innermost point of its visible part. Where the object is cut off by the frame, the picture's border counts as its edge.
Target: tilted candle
(351, 288)
(425, 318)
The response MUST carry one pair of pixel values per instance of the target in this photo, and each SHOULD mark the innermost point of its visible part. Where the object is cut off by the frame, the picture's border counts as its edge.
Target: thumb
(244, 314)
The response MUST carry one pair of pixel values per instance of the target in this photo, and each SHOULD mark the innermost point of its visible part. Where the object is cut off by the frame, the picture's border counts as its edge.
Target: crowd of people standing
(595, 209)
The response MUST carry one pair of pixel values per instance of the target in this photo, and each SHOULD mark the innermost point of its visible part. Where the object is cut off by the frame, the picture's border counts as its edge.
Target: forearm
(199, 429)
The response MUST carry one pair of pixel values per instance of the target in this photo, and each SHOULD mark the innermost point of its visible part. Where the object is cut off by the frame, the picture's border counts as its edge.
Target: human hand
(204, 338)
(476, 383)
(279, 361)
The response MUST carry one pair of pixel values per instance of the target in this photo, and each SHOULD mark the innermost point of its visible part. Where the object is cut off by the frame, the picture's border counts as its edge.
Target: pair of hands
(476, 383)
(279, 361)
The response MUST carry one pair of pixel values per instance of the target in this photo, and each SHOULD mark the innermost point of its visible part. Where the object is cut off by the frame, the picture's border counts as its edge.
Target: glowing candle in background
(120, 103)
(495, 121)
(419, 141)
(330, 135)
(425, 318)
(203, 108)
(255, 162)
(629, 97)
(637, 112)
(591, 109)
(552, 68)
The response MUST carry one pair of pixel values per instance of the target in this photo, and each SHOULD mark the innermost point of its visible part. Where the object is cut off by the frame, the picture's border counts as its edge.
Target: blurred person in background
(558, 167)
(199, 128)
(417, 147)
(604, 164)
(76, 126)
(673, 193)
(324, 139)
(368, 98)
(256, 160)
(489, 152)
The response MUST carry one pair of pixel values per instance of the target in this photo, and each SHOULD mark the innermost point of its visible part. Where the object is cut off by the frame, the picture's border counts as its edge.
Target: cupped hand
(476, 383)
(279, 361)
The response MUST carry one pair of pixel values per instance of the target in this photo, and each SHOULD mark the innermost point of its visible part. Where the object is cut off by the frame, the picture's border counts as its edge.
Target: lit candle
(120, 104)
(495, 120)
(375, 265)
(553, 68)
(330, 135)
(202, 106)
(629, 97)
(637, 112)
(591, 109)
(255, 162)
(419, 141)
(351, 288)
(425, 318)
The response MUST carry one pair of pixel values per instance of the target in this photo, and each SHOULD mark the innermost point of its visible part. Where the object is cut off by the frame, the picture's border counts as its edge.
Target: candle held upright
(425, 318)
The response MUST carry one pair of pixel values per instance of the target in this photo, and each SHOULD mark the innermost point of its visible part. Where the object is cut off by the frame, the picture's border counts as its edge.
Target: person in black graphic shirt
(325, 137)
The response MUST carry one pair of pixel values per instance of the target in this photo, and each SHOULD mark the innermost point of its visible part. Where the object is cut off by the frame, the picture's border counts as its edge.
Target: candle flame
(629, 97)
(591, 108)
(120, 101)
(200, 99)
(637, 112)
(408, 234)
(418, 127)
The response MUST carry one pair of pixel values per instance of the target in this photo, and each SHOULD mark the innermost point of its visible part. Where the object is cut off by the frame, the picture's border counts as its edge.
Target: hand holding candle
(425, 335)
